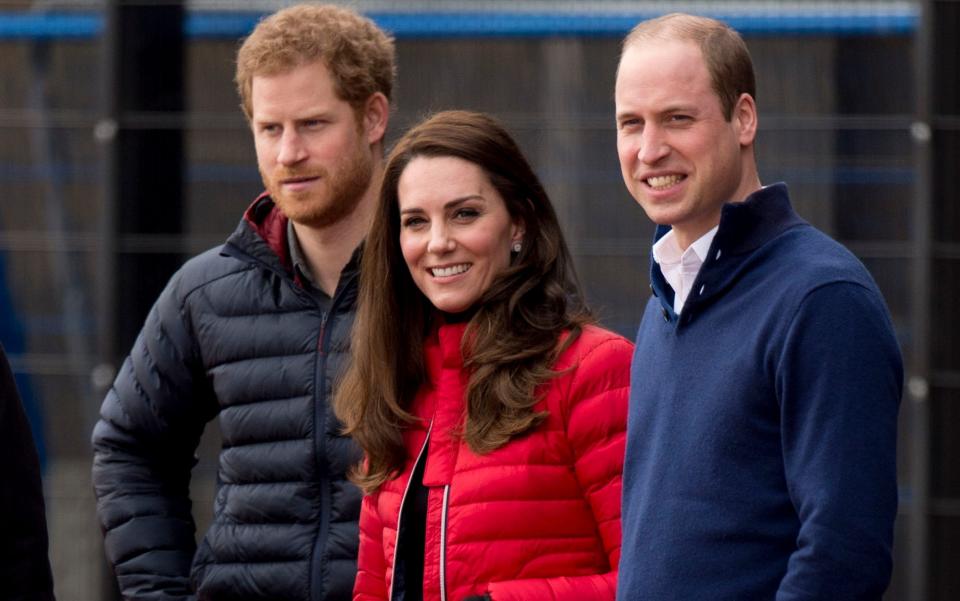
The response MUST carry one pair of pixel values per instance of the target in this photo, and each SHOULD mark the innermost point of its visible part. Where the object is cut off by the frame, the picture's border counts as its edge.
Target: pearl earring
(517, 245)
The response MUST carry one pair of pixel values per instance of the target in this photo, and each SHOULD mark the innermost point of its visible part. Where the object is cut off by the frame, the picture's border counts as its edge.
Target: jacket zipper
(319, 420)
(443, 544)
(403, 501)
(319, 441)
(323, 331)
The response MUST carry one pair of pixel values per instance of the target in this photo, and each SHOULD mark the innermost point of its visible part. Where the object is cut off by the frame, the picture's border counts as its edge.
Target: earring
(517, 246)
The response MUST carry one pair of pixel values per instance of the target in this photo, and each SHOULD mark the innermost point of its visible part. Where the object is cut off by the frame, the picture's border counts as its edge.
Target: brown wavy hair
(359, 55)
(512, 337)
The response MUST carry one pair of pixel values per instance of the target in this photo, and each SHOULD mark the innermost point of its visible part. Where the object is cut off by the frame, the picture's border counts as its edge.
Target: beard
(334, 199)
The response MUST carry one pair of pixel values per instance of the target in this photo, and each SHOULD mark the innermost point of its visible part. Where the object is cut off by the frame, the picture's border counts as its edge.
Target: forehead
(301, 88)
(656, 71)
(441, 179)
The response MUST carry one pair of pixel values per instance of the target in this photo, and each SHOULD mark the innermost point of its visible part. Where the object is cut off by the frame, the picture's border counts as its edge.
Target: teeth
(445, 272)
(663, 181)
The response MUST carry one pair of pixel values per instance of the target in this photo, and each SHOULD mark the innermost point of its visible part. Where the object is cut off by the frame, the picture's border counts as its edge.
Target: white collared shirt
(680, 267)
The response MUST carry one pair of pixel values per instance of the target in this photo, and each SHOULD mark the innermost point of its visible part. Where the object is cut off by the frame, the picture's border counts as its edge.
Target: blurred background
(123, 152)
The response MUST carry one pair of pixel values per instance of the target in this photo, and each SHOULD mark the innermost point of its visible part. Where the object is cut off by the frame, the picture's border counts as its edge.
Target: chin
(452, 307)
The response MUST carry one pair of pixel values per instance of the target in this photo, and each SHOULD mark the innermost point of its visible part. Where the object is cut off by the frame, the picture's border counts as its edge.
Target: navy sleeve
(839, 383)
(24, 566)
(150, 425)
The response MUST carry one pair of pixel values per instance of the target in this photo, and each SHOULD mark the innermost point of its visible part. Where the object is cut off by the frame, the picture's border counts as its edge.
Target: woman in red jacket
(492, 412)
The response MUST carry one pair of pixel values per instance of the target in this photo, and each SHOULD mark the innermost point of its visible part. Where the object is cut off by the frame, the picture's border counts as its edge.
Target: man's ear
(744, 118)
(376, 114)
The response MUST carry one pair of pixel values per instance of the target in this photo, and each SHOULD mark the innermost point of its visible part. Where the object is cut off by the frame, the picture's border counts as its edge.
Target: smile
(445, 272)
(661, 182)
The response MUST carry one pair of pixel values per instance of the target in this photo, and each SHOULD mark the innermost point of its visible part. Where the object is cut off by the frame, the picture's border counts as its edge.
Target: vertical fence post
(918, 382)
(140, 131)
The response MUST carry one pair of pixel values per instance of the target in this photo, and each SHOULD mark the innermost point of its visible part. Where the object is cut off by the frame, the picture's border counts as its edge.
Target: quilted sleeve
(371, 583)
(596, 429)
(150, 424)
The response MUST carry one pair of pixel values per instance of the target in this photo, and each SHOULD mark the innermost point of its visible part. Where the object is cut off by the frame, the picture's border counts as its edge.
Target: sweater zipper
(403, 501)
(443, 544)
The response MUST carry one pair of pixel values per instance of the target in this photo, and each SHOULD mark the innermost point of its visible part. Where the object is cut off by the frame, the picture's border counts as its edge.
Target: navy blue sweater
(761, 455)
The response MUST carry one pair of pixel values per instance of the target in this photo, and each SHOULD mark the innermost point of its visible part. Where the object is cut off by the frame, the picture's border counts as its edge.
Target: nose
(440, 241)
(653, 145)
(292, 149)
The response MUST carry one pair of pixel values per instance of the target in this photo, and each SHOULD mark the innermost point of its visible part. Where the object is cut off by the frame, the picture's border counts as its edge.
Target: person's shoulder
(597, 345)
(815, 259)
(594, 335)
(597, 363)
(209, 266)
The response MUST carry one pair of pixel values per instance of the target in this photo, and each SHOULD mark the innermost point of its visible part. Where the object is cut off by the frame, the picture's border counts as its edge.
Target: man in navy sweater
(766, 382)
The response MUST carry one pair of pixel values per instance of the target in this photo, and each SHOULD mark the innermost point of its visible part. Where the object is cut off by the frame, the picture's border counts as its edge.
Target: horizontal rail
(846, 19)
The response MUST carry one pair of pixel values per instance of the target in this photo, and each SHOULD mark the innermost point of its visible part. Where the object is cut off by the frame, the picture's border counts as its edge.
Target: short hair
(724, 52)
(359, 55)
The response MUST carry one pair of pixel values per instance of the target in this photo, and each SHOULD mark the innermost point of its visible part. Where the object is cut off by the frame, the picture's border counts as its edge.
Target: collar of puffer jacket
(443, 402)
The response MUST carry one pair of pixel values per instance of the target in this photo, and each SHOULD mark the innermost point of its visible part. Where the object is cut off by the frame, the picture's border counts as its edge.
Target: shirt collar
(666, 251)
(296, 256)
(744, 227)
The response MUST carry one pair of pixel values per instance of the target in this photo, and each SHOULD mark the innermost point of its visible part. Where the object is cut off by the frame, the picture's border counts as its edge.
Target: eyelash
(637, 122)
(461, 213)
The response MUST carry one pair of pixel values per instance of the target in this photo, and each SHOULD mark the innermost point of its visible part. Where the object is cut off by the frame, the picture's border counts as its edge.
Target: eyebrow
(668, 110)
(448, 204)
(317, 115)
(681, 108)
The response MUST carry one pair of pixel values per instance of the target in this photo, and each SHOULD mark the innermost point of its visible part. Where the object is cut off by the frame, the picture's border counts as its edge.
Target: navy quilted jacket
(233, 335)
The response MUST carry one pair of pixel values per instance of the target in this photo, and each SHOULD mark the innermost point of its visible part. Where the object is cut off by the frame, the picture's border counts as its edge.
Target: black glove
(483, 597)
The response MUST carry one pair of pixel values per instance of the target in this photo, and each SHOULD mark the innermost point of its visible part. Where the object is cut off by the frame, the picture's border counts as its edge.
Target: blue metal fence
(895, 19)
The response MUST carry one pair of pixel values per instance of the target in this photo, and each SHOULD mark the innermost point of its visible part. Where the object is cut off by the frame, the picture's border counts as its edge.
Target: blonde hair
(724, 51)
(358, 54)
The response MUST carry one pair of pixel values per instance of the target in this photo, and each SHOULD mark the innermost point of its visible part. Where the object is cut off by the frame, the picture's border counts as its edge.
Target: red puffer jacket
(538, 518)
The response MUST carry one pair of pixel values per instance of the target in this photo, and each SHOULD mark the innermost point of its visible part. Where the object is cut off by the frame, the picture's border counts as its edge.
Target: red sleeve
(371, 583)
(596, 423)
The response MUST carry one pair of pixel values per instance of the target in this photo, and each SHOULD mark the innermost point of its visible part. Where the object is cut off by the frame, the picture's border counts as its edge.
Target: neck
(687, 234)
(750, 180)
(328, 249)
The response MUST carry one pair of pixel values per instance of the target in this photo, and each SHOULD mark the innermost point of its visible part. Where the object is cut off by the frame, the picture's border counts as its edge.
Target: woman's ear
(517, 230)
